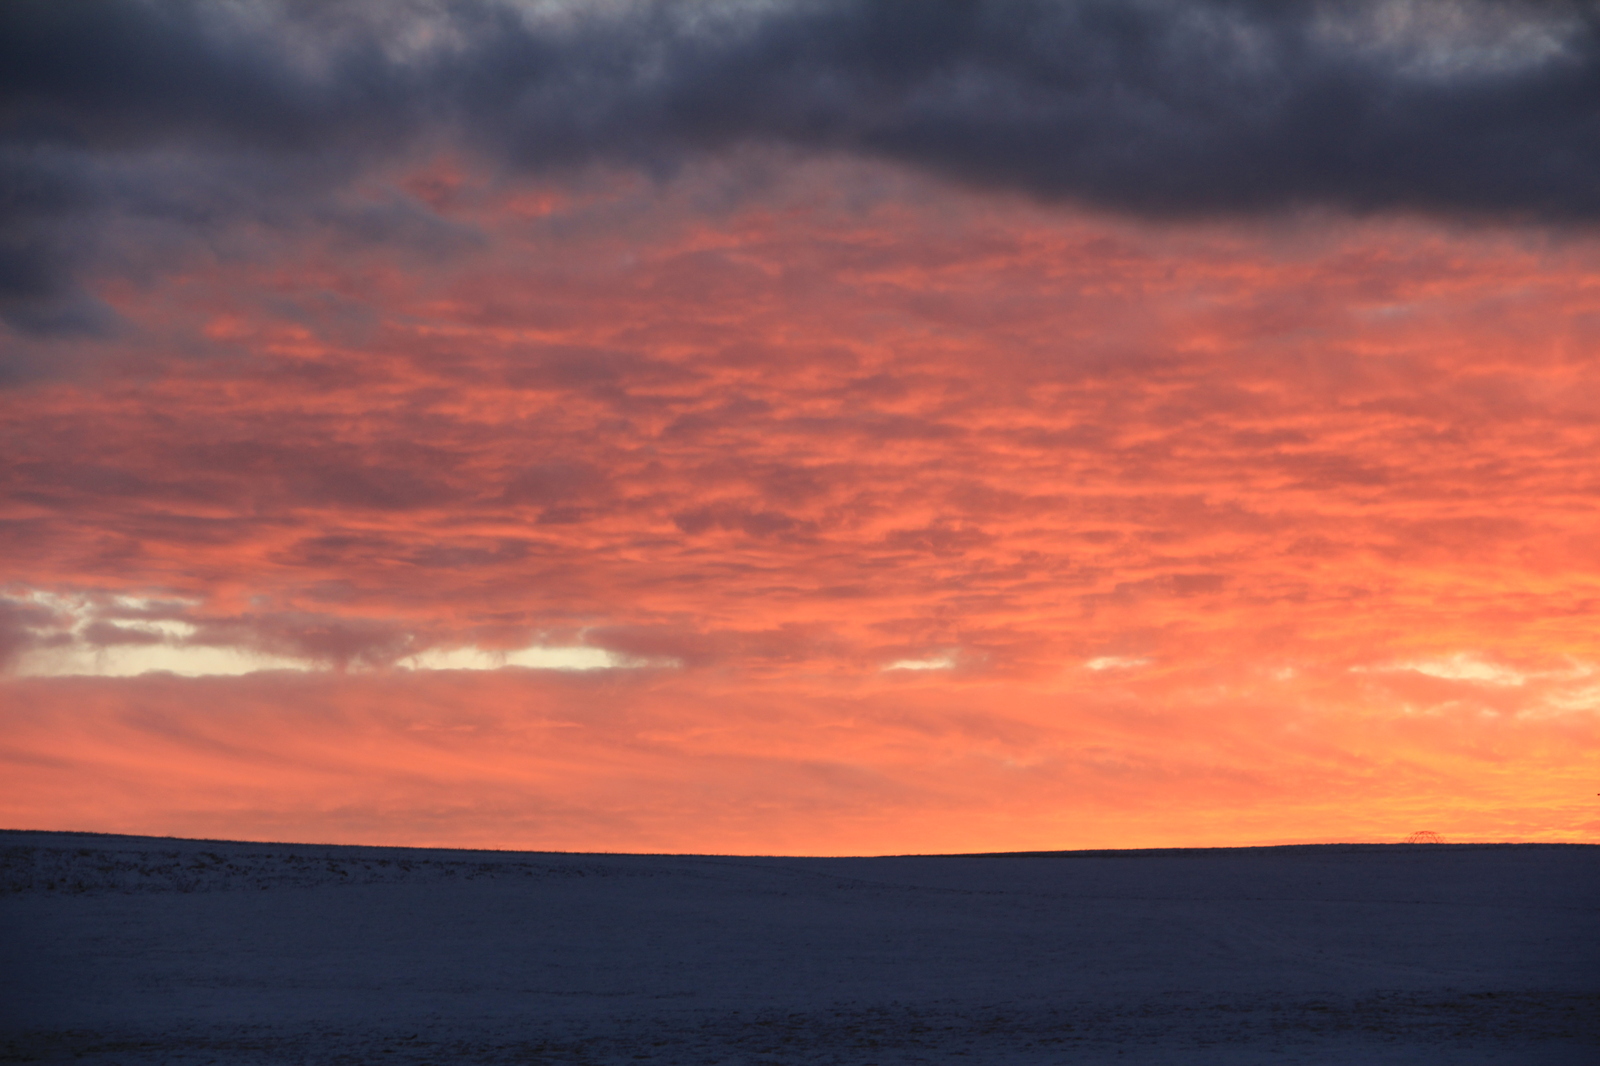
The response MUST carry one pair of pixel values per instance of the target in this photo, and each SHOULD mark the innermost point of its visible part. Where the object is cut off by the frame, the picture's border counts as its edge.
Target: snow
(142, 950)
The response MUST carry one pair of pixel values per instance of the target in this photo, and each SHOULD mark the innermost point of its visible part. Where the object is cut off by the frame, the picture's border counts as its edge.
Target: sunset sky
(772, 426)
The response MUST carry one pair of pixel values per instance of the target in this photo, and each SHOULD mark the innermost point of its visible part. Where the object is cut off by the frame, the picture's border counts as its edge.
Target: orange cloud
(890, 518)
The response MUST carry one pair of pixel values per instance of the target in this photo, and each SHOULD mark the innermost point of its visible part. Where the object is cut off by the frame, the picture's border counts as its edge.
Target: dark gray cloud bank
(165, 121)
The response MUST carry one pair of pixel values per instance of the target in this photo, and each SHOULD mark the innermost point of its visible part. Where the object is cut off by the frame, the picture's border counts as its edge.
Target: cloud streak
(113, 635)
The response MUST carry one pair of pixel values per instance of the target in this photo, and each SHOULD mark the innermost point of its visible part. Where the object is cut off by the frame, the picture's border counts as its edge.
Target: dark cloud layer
(183, 117)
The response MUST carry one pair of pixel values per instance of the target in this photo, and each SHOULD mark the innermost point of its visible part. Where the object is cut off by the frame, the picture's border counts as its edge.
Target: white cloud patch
(1115, 662)
(185, 660)
(938, 662)
(1462, 666)
(100, 635)
(161, 628)
(1584, 698)
(534, 657)
(1555, 691)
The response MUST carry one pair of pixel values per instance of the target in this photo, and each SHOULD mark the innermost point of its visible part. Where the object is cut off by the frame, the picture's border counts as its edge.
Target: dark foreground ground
(138, 950)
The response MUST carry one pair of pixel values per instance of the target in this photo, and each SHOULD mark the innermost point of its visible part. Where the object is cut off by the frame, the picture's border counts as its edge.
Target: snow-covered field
(139, 950)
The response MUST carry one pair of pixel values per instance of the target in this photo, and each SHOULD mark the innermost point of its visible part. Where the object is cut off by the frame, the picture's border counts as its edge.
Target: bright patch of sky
(1115, 662)
(123, 660)
(939, 662)
(536, 657)
(1569, 689)
(1463, 667)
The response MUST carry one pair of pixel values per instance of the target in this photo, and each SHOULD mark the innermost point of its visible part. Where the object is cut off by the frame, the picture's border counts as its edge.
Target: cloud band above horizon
(812, 426)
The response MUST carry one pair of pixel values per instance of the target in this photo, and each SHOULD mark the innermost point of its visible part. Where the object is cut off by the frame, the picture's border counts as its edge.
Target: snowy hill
(140, 950)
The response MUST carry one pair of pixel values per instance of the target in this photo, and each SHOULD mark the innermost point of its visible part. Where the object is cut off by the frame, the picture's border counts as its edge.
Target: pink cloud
(786, 443)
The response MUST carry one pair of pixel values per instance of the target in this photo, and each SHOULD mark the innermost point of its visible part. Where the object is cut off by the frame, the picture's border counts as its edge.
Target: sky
(773, 426)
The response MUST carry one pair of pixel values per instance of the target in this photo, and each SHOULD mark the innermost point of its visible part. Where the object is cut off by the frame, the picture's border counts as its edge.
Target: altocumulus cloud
(130, 129)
